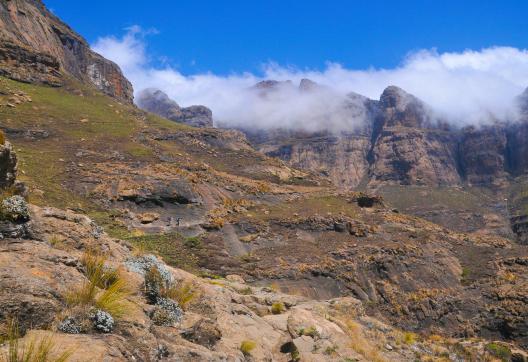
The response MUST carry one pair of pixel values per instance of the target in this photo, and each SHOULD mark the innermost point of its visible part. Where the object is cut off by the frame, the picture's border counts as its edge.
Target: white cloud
(466, 87)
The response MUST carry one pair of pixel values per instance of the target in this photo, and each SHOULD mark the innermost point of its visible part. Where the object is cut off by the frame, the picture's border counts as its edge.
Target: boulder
(8, 165)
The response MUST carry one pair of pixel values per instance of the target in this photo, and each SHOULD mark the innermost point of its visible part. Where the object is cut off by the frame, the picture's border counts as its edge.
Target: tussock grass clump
(310, 332)
(43, 349)
(183, 293)
(277, 308)
(247, 346)
(104, 288)
(157, 287)
(409, 338)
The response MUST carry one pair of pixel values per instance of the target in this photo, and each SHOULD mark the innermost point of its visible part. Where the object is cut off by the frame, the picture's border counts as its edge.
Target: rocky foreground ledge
(43, 271)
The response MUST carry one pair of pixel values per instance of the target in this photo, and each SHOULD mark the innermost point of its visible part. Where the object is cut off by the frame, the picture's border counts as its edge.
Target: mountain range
(130, 234)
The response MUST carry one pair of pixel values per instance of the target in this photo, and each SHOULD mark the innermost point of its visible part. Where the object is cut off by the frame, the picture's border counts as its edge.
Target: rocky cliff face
(410, 146)
(156, 101)
(404, 142)
(35, 46)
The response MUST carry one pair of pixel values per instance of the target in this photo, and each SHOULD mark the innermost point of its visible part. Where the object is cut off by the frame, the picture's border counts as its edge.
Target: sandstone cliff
(36, 46)
(403, 142)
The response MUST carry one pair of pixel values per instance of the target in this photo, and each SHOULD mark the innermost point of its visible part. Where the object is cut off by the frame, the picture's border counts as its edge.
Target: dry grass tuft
(183, 293)
(360, 344)
(35, 350)
(104, 288)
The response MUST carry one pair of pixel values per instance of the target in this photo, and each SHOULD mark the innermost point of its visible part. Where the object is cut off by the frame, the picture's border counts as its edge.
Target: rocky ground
(225, 319)
(128, 236)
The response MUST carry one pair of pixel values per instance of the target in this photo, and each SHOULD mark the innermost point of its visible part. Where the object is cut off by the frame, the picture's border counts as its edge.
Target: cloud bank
(469, 87)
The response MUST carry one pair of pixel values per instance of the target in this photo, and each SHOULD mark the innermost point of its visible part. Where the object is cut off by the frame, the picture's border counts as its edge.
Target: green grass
(172, 247)
(499, 351)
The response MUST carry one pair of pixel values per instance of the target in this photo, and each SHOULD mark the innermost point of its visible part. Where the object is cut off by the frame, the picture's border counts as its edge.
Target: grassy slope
(74, 122)
(80, 119)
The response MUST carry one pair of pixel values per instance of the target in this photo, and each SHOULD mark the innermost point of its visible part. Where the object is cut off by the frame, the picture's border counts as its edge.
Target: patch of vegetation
(321, 205)
(409, 338)
(277, 308)
(247, 346)
(499, 350)
(157, 286)
(359, 343)
(465, 275)
(183, 293)
(104, 289)
(331, 350)
(96, 270)
(310, 332)
(210, 276)
(192, 242)
(172, 247)
(43, 349)
(245, 291)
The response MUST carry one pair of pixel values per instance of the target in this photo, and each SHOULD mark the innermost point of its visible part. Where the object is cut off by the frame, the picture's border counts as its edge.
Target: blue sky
(236, 36)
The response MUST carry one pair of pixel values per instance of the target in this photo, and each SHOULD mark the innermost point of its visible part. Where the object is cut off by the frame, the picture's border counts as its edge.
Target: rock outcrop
(411, 147)
(8, 164)
(403, 142)
(36, 46)
(156, 101)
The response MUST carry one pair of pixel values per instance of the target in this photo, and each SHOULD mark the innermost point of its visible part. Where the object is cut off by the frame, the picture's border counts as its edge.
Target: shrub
(70, 325)
(499, 350)
(15, 208)
(157, 287)
(102, 321)
(154, 285)
(2, 137)
(277, 308)
(35, 350)
(166, 313)
(409, 338)
(247, 346)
